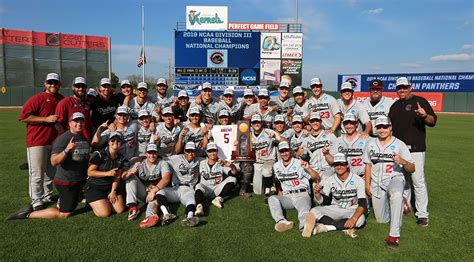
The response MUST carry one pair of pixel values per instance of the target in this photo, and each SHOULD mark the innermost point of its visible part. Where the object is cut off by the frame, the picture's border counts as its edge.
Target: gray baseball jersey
(163, 102)
(292, 177)
(344, 194)
(264, 146)
(267, 116)
(283, 106)
(357, 110)
(146, 173)
(327, 107)
(212, 175)
(382, 108)
(143, 138)
(234, 110)
(135, 107)
(295, 140)
(303, 110)
(184, 172)
(354, 152)
(129, 147)
(313, 146)
(167, 139)
(209, 111)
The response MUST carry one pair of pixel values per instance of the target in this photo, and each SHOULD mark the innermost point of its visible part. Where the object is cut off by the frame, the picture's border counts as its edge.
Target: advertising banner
(421, 82)
(253, 26)
(270, 46)
(270, 71)
(206, 17)
(292, 45)
(434, 98)
(291, 71)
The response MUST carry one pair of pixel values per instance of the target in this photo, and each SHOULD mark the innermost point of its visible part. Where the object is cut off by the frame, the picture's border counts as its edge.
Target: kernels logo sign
(52, 39)
(206, 18)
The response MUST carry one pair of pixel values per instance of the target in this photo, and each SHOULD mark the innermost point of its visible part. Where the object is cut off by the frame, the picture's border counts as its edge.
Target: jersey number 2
(388, 168)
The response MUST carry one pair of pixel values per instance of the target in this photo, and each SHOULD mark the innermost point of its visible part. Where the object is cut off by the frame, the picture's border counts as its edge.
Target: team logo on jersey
(361, 143)
(392, 147)
(353, 111)
(382, 107)
(351, 182)
(294, 168)
(408, 107)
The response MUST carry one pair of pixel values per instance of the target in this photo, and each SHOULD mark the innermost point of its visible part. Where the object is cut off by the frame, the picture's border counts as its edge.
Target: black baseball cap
(376, 84)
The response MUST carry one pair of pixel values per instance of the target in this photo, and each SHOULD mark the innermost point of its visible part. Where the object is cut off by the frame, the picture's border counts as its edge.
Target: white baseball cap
(190, 146)
(116, 134)
(182, 93)
(349, 117)
(142, 85)
(316, 81)
(151, 148)
(224, 112)
(161, 81)
(228, 91)
(262, 92)
(125, 82)
(297, 118)
(283, 145)
(53, 76)
(314, 115)
(284, 84)
(122, 110)
(105, 81)
(79, 80)
(298, 90)
(194, 110)
(346, 86)
(143, 112)
(403, 81)
(77, 115)
(206, 85)
(256, 118)
(339, 158)
(211, 146)
(248, 92)
(92, 92)
(279, 118)
(166, 110)
(382, 120)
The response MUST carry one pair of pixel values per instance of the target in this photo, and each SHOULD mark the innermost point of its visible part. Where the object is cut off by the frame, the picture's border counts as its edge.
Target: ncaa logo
(248, 77)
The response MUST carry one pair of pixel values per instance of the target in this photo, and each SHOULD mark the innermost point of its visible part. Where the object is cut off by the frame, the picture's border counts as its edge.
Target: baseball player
(232, 105)
(105, 104)
(143, 181)
(144, 133)
(184, 179)
(292, 176)
(283, 102)
(263, 144)
(295, 135)
(301, 104)
(126, 94)
(162, 99)
(224, 118)
(352, 144)
(313, 145)
(206, 104)
(180, 110)
(377, 105)
(141, 101)
(194, 131)
(386, 159)
(342, 200)
(262, 108)
(166, 133)
(347, 104)
(325, 105)
(217, 179)
(249, 100)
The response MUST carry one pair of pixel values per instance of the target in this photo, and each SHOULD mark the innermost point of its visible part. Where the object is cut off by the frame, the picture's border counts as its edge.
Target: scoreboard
(215, 76)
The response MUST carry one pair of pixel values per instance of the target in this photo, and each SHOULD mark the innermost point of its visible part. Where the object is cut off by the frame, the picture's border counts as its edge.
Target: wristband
(65, 152)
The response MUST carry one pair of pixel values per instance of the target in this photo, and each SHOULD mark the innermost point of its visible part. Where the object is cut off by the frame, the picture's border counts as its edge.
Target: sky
(340, 36)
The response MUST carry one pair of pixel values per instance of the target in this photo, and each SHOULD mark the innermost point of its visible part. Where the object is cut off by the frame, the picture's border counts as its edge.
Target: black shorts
(94, 192)
(69, 196)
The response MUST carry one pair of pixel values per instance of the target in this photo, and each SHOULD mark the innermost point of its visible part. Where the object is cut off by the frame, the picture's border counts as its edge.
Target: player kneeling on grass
(105, 168)
(342, 199)
(143, 181)
(70, 154)
(386, 159)
(293, 176)
(217, 179)
(184, 179)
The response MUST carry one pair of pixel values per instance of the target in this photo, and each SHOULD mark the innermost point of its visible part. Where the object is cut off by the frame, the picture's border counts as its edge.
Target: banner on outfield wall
(32, 38)
(435, 99)
(206, 18)
(421, 82)
(253, 26)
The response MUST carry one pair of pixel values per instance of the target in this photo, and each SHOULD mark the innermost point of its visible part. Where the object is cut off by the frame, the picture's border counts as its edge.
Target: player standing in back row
(377, 105)
(325, 105)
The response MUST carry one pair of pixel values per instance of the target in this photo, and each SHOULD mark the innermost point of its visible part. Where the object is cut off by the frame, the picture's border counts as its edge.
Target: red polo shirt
(69, 106)
(42, 105)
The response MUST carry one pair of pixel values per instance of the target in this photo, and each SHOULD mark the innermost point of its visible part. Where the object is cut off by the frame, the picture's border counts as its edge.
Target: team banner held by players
(435, 99)
(224, 137)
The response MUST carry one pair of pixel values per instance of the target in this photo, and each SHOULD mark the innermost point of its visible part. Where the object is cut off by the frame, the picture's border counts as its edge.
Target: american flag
(142, 58)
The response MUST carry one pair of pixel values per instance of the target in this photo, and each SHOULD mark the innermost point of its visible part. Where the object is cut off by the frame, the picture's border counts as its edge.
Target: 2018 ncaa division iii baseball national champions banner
(429, 85)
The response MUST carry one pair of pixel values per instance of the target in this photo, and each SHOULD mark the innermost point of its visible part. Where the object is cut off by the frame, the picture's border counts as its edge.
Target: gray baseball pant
(136, 192)
(212, 192)
(261, 170)
(299, 201)
(41, 174)
(183, 194)
(337, 213)
(419, 186)
(388, 205)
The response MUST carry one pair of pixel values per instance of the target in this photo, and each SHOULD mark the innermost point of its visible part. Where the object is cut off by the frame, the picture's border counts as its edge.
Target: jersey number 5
(226, 138)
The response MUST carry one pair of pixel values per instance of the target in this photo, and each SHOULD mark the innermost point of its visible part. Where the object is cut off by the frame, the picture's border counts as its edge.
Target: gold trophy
(243, 150)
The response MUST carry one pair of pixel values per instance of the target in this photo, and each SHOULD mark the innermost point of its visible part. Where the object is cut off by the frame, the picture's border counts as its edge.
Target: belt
(296, 191)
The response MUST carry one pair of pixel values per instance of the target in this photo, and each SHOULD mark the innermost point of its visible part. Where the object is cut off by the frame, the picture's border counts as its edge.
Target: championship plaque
(243, 150)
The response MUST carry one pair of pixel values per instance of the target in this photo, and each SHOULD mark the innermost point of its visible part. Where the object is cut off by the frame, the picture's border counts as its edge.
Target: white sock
(267, 191)
(164, 210)
(190, 214)
(330, 227)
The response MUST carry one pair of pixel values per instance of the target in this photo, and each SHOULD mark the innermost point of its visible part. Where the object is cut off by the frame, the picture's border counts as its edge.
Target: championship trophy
(243, 150)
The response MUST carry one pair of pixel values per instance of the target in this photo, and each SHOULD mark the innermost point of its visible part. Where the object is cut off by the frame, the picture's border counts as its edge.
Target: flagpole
(143, 42)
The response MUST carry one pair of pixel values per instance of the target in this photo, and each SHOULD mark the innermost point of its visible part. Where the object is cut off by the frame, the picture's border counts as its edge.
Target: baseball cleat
(199, 210)
(190, 222)
(320, 228)
(392, 242)
(309, 223)
(422, 221)
(133, 213)
(350, 232)
(406, 207)
(168, 219)
(217, 202)
(283, 225)
(149, 221)
(21, 214)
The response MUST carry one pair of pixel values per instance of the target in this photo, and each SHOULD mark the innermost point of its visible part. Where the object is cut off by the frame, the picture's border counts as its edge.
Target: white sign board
(292, 45)
(206, 18)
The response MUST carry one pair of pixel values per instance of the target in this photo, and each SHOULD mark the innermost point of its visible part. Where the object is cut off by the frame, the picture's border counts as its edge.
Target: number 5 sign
(224, 137)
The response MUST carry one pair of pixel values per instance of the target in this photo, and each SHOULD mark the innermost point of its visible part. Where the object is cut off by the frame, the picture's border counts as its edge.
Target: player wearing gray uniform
(262, 108)
(166, 133)
(263, 144)
(231, 105)
(217, 179)
(292, 176)
(283, 103)
(342, 200)
(185, 177)
(206, 104)
(162, 100)
(141, 101)
(313, 145)
(249, 99)
(143, 181)
(325, 105)
(144, 134)
(377, 105)
(386, 159)
(194, 131)
(352, 144)
(301, 104)
(347, 104)
(295, 135)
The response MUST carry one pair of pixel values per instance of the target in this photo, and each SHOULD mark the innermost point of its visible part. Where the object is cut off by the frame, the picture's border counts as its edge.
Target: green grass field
(243, 230)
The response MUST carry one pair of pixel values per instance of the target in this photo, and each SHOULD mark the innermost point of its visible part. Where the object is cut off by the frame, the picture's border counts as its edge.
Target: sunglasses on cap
(382, 126)
(52, 82)
(115, 140)
(316, 86)
(402, 87)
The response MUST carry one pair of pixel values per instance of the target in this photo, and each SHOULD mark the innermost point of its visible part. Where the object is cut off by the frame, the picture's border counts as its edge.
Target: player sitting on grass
(293, 176)
(70, 154)
(217, 179)
(143, 181)
(342, 202)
